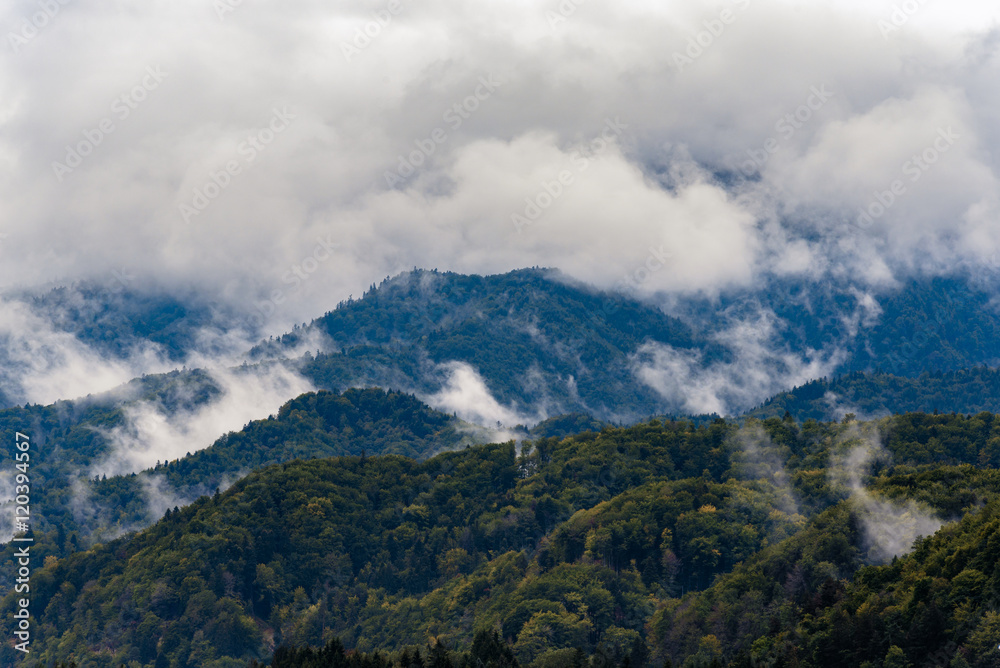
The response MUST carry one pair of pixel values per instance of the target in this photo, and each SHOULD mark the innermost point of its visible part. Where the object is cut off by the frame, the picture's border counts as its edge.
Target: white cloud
(465, 394)
(151, 435)
(324, 174)
(890, 526)
(758, 367)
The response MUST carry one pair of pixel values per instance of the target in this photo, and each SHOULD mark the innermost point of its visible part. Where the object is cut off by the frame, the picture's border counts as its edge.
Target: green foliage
(664, 541)
(965, 391)
(70, 436)
(536, 323)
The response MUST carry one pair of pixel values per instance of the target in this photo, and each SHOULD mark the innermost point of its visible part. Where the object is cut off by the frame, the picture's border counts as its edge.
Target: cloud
(151, 434)
(757, 366)
(671, 178)
(42, 364)
(889, 527)
(465, 394)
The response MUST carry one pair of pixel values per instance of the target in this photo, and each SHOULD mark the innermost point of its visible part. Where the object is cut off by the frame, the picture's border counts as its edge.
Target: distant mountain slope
(70, 436)
(582, 541)
(86, 336)
(917, 326)
(545, 345)
(876, 394)
(542, 345)
(115, 318)
(935, 325)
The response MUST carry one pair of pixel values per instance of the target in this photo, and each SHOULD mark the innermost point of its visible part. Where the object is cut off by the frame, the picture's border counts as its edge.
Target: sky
(283, 156)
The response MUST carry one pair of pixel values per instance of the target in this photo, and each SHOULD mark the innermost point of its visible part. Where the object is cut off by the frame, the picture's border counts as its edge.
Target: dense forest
(540, 339)
(877, 394)
(363, 528)
(537, 340)
(664, 541)
(314, 425)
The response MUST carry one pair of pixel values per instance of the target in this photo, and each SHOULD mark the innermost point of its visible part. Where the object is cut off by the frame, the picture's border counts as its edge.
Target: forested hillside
(879, 394)
(613, 543)
(811, 600)
(545, 344)
(944, 323)
(80, 510)
(540, 342)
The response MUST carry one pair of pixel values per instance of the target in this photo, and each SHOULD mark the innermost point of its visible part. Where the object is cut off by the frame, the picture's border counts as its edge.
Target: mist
(465, 394)
(758, 366)
(890, 527)
(760, 458)
(42, 364)
(152, 435)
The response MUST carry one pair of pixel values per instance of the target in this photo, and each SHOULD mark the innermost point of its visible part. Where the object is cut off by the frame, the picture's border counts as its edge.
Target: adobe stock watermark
(899, 17)
(296, 275)
(121, 108)
(565, 9)
(34, 24)
(249, 149)
(370, 31)
(454, 116)
(632, 281)
(703, 40)
(914, 169)
(120, 280)
(550, 191)
(223, 7)
(786, 127)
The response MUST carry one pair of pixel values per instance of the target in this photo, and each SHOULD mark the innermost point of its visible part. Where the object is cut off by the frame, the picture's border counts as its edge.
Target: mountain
(78, 510)
(536, 344)
(877, 394)
(412, 541)
(542, 344)
(68, 437)
(812, 601)
(595, 541)
(539, 343)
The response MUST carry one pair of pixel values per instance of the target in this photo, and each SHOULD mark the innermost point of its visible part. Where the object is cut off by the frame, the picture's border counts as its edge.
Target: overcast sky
(713, 143)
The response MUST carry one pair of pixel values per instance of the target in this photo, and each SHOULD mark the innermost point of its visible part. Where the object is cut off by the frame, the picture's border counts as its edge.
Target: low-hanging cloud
(151, 434)
(465, 394)
(759, 366)
(889, 526)
(42, 364)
